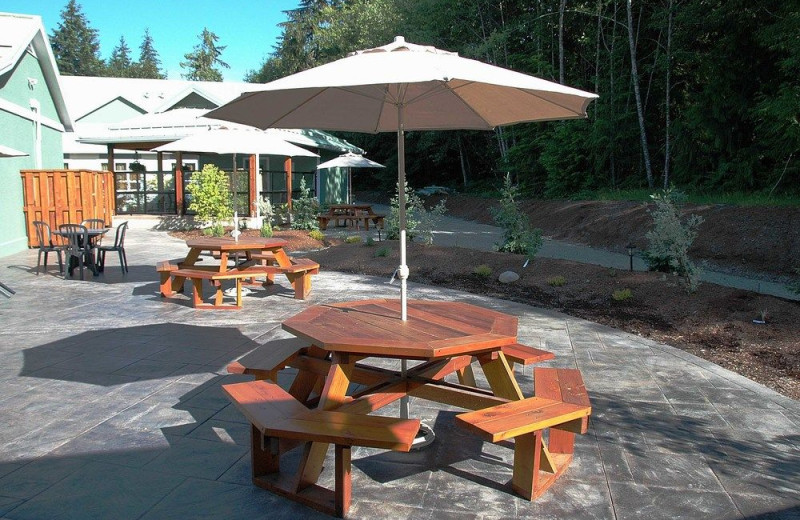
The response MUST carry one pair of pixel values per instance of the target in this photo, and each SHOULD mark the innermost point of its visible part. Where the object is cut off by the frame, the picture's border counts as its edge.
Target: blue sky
(248, 28)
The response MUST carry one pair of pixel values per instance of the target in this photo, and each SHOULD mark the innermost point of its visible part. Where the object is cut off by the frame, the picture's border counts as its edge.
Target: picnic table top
(229, 244)
(434, 329)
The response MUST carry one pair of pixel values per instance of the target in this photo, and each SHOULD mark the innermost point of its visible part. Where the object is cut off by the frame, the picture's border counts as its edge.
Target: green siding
(18, 133)
(17, 91)
(114, 112)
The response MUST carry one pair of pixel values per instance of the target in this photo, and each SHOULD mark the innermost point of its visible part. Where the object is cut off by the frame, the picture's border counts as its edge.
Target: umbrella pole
(403, 269)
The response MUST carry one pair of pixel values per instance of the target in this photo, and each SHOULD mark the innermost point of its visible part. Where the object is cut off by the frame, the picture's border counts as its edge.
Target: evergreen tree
(202, 63)
(75, 44)
(120, 64)
(149, 64)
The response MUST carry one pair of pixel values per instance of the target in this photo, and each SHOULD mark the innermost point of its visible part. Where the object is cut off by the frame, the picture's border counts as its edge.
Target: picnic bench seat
(562, 405)
(267, 360)
(365, 219)
(274, 415)
(198, 274)
(165, 269)
(514, 353)
(298, 273)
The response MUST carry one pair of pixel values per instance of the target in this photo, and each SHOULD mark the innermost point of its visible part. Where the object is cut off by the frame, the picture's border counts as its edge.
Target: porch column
(287, 165)
(179, 183)
(253, 184)
(110, 154)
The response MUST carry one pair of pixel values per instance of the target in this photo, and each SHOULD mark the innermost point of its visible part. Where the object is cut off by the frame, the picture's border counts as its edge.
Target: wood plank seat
(274, 415)
(355, 220)
(514, 353)
(525, 355)
(266, 361)
(165, 269)
(536, 465)
(197, 275)
(299, 273)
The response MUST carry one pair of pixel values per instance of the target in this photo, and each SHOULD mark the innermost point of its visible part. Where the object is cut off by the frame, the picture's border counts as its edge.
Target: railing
(150, 193)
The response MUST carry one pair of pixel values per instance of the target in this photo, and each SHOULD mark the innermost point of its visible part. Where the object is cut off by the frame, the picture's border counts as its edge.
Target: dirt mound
(734, 239)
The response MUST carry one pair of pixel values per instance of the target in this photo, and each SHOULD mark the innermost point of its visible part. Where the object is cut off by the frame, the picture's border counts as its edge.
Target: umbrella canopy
(402, 86)
(224, 141)
(350, 160)
(6, 151)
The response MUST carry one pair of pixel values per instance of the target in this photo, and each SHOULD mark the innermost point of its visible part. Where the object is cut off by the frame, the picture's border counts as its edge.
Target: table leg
(333, 395)
(500, 375)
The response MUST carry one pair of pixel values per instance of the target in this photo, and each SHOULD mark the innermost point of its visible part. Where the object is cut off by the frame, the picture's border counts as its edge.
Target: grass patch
(557, 281)
(483, 270)
(384, 251)
(316, 234)
(354, 239)
(620, 295)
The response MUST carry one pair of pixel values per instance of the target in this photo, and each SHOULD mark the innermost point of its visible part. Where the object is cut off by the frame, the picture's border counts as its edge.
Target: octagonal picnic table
(445, 336)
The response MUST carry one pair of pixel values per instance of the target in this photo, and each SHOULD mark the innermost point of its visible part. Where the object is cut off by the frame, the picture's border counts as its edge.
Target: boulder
(508, 277)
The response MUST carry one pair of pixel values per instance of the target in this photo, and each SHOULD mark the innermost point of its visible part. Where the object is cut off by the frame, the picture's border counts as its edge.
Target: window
(66, 166)
(104, 166)
(120, 167)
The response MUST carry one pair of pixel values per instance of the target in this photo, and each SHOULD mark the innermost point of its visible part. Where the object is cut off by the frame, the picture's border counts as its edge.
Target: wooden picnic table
(225, 248)
(445, 338)
(355, 214)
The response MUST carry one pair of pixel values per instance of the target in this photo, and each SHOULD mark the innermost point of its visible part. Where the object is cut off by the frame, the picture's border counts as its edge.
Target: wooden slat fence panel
(66, 196)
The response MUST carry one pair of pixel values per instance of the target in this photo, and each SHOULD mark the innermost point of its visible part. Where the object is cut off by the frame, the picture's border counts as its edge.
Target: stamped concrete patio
(111, 408)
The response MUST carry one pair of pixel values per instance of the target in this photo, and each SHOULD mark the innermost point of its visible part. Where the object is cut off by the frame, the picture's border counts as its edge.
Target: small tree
(304, 209)
(518, 236)
(267, 213)
(420, 222)
(211, 197)
(201, 63)
(670, 238)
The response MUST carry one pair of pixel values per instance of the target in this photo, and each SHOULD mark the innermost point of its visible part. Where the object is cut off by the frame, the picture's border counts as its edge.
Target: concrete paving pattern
(111, 408)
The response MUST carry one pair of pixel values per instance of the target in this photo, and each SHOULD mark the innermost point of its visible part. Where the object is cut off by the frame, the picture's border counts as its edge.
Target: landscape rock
(508, 277)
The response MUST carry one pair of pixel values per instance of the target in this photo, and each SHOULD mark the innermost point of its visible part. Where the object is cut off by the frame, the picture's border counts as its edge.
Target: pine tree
(201, 63)
(149, 64)
(120, 64)
(75, 44)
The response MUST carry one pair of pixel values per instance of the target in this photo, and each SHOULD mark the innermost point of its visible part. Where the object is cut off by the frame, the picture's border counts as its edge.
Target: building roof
(18, 33)
(86, 94)
(163, 127)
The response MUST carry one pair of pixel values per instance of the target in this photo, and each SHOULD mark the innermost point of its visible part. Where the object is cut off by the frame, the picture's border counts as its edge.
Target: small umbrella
(229, 141)
(6, 151)
(350, 160)
(399, 87)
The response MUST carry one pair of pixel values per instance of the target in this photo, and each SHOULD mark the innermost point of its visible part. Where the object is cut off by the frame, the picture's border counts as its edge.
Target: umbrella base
(425, 437)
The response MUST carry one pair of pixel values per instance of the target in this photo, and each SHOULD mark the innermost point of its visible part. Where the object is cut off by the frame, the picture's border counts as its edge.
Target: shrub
(620, 295)
(211, 196)
(419, 221)
(557, 281)
(483, 270)
(518, 236)
(304, 209)
(353, 239)
(265, 209)
(214, 230)
(795, 286)
(369, 242)
(670, 238)
(316, 234)
(384, 251)
(266, 229)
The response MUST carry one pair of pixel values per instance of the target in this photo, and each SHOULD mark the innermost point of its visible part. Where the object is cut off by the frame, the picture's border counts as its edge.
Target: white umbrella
(230, 141)
(402, 86)
(6, 151)
(349, 160)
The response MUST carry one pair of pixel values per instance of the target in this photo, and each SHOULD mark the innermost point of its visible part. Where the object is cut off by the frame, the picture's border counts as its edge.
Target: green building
(33, 117)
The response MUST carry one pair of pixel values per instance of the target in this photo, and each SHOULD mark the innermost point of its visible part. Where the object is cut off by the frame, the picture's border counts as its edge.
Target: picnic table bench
(274, 415)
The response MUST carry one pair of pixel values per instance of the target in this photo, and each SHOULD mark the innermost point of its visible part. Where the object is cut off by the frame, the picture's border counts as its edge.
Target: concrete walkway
(111, 409)
(462, 233)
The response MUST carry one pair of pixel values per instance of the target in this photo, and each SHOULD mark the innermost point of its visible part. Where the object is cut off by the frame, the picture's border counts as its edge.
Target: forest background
(703, 95)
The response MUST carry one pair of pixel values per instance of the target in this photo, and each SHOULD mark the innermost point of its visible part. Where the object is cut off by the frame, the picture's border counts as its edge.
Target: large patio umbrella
(236, 141)
(402, 86)
(349, 160)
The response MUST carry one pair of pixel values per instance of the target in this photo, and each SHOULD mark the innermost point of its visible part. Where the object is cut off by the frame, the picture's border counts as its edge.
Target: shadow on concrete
(117, 356)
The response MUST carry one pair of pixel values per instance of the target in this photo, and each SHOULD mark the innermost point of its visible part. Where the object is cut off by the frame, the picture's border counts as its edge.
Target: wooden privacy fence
(64, 197)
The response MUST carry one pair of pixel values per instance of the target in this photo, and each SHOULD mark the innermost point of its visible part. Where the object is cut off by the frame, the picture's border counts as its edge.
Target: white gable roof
(17, 33)
(86, 94)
